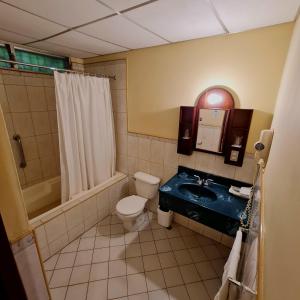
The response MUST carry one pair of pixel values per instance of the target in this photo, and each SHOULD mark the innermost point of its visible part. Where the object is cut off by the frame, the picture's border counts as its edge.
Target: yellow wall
(12, 207)
(162, 78)
(282, 189)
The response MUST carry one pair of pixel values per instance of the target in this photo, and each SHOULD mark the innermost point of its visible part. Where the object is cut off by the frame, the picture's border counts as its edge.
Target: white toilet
(130, 208)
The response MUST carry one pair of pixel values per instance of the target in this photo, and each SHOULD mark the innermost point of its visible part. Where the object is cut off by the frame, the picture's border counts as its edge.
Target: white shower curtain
(86, 132)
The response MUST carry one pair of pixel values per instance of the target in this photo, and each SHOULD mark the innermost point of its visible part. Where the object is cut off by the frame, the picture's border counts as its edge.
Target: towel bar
(240, 285)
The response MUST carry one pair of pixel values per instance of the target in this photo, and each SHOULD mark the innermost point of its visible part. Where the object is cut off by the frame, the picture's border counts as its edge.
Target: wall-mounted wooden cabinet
(237, 135)
(186, 131)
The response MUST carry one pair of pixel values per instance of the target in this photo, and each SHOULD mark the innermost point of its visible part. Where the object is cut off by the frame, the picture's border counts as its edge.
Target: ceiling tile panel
(83, 42)
(122, 4)
(240, 15)
(120, 31)
(61, 50)
(178, 20)
(66, 12)
(8, 36)
(20, 22)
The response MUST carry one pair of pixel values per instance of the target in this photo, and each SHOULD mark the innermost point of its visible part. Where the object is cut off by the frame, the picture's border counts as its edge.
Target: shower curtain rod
(56, 69)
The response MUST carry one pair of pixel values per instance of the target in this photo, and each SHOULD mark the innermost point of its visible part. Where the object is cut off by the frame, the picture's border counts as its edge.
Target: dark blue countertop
(214, 198)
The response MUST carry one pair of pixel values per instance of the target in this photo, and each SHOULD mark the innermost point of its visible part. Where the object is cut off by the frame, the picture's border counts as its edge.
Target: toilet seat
(131, 205)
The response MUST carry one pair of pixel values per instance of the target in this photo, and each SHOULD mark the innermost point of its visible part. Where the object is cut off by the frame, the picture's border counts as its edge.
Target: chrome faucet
(207, 181)
(199, 180)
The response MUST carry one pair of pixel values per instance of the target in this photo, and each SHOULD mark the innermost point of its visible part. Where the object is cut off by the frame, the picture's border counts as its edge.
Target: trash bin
(164, 218)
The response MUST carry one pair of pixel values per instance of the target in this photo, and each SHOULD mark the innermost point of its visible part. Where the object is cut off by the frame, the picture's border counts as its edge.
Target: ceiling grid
(86, 28)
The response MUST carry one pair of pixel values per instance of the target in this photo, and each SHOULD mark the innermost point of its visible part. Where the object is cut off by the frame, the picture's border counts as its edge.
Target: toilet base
(136, 224)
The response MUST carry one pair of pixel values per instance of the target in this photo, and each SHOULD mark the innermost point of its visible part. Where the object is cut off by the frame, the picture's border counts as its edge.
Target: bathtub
(58, 226)
(42, 197)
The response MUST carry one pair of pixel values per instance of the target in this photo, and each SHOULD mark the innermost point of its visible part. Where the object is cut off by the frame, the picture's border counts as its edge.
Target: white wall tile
(157, 151)
(74, 217)
(58, 244)
(144, 148)
(103, 206)
(132, 145)
(170, 154)
(55, 228)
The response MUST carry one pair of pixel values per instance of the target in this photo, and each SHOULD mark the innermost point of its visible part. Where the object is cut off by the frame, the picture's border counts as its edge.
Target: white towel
(230, 269)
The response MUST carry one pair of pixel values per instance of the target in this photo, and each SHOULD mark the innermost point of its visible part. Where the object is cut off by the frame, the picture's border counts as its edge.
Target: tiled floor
(156, 263)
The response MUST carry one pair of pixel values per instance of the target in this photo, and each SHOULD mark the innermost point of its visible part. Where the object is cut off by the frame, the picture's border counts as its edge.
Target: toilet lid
(131, 205)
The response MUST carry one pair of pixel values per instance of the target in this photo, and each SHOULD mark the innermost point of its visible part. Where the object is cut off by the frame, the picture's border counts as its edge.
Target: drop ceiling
(86, 28)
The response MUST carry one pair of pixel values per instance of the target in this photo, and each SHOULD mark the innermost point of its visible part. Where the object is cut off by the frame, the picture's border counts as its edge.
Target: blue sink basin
(196, 190)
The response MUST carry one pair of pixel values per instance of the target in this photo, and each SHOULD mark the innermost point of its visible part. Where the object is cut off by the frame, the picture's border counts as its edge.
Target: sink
(196, 190)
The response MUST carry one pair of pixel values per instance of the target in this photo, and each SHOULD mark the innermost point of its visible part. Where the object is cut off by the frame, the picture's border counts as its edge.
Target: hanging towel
(230, 269)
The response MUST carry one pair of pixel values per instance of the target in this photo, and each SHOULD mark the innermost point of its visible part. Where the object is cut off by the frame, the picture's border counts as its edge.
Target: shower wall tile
(41, 122)
(23, 124)
(30, 148)
(28, 103)
(50, 98)
(17, 98)
(3, 99)
(37, 98)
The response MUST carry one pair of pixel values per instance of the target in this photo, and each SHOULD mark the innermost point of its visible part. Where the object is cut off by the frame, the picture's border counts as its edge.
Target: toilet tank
(146, 185)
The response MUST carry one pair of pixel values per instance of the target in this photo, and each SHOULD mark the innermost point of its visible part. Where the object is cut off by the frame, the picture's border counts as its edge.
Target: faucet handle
(199, 180)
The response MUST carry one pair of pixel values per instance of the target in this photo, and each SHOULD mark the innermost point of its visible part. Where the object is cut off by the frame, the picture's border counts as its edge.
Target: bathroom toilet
(130, 208)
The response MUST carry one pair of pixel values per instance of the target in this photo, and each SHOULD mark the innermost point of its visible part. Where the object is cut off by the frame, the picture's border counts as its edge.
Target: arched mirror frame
(215, 97)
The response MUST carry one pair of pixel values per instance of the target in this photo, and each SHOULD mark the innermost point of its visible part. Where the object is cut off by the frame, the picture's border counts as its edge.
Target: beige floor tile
(115, 220)
(103, 230)
(155, 280)
(183, 257)
(134, 265)
(100, 255)
(133, 250)
(148, 248)
(178, 293)
(117, 252)
(172, 277)
(66, 260)
(97, 290)
(80, 274)
(189, 273)
(83, 258)
(90, 233)
(136, 284)
(60, 278)
(86, 243)
(185, 231)
(48, 275)
(99, 271)
(117, 268)
(177, 243)
(146, 236)
(131, 237)
(159, 234)
(197, 254)
(167, 260)
(211, 252)
(172, 233)
(197, 291)
(205, 241)
(72, 247)
(143, 296)
(206, 270)
(191, 241)
(163, 246)
(105, 221)
(50, 263)
(117, 240)
(117, 287)
(116, 229)
(218, 265)
(102, 241)
(77, 292)
(151, 262)
(59, 293)
(212, 286)
(158, 295)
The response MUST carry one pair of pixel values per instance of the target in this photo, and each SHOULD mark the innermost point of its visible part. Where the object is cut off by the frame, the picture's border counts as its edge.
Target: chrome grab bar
(23, 163)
